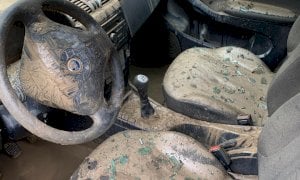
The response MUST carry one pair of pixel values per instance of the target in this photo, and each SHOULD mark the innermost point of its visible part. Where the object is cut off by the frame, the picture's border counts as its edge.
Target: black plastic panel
(137, 12)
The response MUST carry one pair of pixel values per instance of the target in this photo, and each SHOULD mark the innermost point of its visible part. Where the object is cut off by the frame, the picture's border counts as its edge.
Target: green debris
(252, 97)
(188, 178)
(229, 90)
(238, 73)
(113, 170)
(176, 164)
(262, 98)
(246, 8)
(225, 66)
(194, 86)
(227, 59)
(216, 90)
(259, 70)
(229, 49)
(243, 9)
(213, 97)
(145, 151)
(263, 80)
(225, 72)
(159, 161)
(235, 62)
(251, 80)
(262, 105)
(123, 159)
(125, 134)
(241, 90)
(227, 100)
(226, 79)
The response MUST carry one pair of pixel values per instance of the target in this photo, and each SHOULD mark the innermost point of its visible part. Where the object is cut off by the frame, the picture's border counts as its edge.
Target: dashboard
(121, 19)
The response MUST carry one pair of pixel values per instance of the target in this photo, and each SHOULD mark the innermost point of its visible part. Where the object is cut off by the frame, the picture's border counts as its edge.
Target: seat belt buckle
(219, 152)
(245, 120)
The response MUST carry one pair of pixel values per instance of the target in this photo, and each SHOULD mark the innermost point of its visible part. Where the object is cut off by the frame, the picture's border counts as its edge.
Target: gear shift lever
(141, 83)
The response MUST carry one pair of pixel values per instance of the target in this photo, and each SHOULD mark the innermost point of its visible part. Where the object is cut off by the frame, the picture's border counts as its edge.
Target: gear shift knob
(141, 83)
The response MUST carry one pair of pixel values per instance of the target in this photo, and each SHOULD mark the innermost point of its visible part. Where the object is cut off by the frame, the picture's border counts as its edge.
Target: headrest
(294, 36)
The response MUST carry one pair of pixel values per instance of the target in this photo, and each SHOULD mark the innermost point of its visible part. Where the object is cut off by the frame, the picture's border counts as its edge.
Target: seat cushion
(217, 85)
(150, 155)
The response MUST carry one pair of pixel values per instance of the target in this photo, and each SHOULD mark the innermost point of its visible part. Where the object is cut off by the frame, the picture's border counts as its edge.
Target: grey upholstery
(294, 38)
(279, 143)
(217, 85)
(286, 76)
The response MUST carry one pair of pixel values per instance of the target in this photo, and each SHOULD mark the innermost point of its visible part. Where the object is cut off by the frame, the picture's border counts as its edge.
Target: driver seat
(218, 85)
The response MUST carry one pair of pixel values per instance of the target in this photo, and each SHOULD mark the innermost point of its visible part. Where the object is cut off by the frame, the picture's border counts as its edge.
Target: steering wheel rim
(102, 119)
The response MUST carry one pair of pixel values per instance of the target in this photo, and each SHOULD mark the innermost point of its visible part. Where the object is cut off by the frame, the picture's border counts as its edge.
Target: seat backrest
(286, 82)
(279, 143)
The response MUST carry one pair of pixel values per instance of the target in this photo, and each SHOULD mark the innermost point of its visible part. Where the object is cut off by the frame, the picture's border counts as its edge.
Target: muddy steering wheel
(61, 67)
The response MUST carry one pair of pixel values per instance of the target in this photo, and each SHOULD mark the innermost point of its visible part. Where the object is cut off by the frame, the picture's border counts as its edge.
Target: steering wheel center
(75, 65)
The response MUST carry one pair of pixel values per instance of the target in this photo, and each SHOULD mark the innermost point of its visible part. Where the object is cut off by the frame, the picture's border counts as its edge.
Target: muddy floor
(43, 160)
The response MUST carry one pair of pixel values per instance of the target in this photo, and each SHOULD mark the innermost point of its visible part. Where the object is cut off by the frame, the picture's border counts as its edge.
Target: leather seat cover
(218, 84)
(150, 155)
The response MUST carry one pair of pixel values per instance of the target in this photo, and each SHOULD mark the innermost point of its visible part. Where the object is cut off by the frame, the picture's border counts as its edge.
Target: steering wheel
(61, 67)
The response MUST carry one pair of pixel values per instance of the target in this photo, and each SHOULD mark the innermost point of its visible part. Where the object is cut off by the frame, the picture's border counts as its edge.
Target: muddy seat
(218, 85)
(150, 155)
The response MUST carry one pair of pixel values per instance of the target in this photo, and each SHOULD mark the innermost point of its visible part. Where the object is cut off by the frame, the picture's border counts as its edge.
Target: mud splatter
(92, 165)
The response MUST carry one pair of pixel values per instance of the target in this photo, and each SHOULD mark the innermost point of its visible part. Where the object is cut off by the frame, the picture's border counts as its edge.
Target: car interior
(149, 89)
